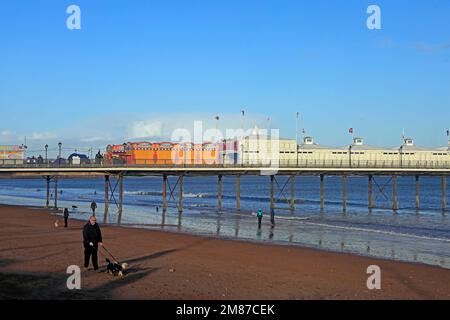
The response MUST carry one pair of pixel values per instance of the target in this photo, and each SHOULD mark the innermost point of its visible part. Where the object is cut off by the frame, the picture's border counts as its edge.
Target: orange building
(163, 153)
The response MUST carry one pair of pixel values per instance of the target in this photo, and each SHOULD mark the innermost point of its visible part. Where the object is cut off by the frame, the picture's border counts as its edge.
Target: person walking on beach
(66, 217)
(93, 207)
(260, 216)
(92, 238)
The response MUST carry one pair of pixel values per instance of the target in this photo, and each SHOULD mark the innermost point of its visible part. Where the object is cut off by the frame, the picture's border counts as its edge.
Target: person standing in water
(260, 216)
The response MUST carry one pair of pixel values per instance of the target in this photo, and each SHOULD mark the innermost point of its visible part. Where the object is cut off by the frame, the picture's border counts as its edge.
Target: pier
(275, 177)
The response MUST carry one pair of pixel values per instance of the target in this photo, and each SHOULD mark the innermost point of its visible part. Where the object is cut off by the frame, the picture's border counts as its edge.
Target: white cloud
(432, 48)
(145, 129)
(95, 139)
(40, 136)
(97, 133)
(7, 136)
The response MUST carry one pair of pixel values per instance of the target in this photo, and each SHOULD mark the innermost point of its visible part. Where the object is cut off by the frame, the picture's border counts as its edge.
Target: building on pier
(12, 154)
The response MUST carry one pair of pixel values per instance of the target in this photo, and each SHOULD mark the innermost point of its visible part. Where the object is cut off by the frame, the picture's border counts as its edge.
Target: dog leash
(115, 260)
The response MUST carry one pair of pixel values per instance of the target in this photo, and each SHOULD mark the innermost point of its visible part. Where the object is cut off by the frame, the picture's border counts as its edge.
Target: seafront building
(11, 155)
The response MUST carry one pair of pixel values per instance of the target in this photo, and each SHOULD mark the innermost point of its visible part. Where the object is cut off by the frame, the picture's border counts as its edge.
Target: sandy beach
(34, 256)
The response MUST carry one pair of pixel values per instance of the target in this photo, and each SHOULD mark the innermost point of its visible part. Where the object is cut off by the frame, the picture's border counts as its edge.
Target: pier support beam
(394, 189)
(56, 192)
(322, 202)
(344, 193)
(219, 193)
(417, 192)
(164, 193)
(369, 191)
(292, 200)
(444, 192)
(180, 195)
(120, 195)
(238, 192)
(272, 200)
(106, 195)
(47, 203)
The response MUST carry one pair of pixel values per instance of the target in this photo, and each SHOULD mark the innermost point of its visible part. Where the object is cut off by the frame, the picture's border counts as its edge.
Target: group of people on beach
(92, 235)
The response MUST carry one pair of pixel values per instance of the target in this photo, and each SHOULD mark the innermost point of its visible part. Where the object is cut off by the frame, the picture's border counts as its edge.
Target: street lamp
(46, 154)
(296, 135)
(401, 156)
(125, 152)
(350, 155)
(59, 157)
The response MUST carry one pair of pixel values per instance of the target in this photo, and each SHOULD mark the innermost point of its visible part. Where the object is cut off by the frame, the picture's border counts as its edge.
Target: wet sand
(34, 256)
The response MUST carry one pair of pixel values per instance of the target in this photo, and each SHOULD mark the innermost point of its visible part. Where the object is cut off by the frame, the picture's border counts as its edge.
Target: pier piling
(47, 203)
(120, 195)
(106, 195)
(394, 190)
(344, 193)
(417, 192)
(272, 200)
(56, 192)
(322, 204)
(219, 192)
(444, 192)
(369, 191)
(238, 192)
(180, 195)
(292, 200)
(164, 193)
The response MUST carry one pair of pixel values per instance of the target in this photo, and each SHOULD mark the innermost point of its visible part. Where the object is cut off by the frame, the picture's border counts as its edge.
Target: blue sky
(164, 64)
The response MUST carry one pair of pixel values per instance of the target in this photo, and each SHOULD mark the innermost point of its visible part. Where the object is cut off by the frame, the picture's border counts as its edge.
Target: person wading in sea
(92, 238)
(260, 216)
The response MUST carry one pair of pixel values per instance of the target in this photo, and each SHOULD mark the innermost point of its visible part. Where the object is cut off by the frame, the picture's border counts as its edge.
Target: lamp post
(296, 136)
(242, 139)
(59, 157)
(350, 156)
(242, 152)
(401, 156)
(125, 152)
(46, 154)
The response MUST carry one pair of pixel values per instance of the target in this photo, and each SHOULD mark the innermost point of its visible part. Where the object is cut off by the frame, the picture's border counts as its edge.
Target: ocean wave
(386, 232)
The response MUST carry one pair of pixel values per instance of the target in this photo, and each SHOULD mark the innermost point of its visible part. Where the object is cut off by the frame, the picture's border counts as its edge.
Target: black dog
(115, 268)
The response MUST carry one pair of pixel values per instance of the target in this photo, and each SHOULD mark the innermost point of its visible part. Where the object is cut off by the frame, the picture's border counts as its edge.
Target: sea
(407, 234)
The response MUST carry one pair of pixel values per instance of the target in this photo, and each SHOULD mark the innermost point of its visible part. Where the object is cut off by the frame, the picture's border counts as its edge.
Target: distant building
(78, 158)
(12, 154)
(259, 148)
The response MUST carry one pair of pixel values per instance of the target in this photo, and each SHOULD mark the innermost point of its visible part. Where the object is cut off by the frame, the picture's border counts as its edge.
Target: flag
(350, 130)
(243, 112)
(217, 117)
(448, 133)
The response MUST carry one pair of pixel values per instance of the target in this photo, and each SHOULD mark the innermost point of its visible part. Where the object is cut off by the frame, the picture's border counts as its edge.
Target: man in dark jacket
(92, 238)
(66, 217)
(93, 207)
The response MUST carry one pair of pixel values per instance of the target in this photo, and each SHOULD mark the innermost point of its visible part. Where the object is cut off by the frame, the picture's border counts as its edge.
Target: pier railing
(326, 164)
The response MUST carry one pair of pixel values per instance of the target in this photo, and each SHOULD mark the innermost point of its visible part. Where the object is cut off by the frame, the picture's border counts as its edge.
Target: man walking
(66, 217)
(92, 238)
(93, 207)
(260, 216)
